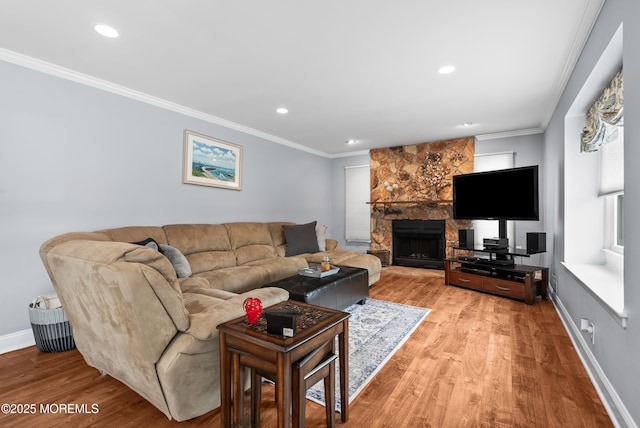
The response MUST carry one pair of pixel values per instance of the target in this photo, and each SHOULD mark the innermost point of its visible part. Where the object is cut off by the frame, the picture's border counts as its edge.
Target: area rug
(377, 329)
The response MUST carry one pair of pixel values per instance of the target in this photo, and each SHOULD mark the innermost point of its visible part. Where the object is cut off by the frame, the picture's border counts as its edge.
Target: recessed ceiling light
(352, 141)
(446, 69)
(282, 110)
(467, 124)
(106, 31)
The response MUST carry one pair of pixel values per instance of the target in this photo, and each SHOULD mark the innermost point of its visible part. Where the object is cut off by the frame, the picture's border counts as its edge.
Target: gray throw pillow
(177, 259)
(300, 238)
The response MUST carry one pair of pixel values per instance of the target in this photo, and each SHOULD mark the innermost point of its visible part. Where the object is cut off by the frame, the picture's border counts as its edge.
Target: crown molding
(349, 154)
(514, 133)
(94, 82)
(587, 22)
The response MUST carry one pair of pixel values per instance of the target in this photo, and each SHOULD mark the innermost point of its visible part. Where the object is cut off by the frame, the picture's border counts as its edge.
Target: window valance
(604, 116)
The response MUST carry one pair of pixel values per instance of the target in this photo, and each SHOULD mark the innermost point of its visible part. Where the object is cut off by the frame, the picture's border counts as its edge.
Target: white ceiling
(345, 69)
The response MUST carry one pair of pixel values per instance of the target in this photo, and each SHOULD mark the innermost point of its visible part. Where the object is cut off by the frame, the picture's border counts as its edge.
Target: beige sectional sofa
(149, 317)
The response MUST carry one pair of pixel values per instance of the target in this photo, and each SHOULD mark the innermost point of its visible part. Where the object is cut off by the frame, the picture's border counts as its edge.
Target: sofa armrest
(331, 244)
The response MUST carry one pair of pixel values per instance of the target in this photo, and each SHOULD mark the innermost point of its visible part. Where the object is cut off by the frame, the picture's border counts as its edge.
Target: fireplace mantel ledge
(428, 202)
(422, 201)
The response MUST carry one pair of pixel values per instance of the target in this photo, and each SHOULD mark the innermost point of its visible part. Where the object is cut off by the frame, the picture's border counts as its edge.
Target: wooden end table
(276, 354)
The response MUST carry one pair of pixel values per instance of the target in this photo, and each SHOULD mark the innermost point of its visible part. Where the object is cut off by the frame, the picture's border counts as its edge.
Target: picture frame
(212, 162)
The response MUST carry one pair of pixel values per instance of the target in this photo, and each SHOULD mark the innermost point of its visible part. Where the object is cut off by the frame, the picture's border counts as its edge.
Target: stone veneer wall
(416, 183)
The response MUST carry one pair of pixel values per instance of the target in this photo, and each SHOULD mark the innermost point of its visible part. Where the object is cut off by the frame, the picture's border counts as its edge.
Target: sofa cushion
(211, 260)
(192, 282)
(195, 238)
(250, 241)
(301, 238)
(206, 246)
(237, 279)
(206, 312)
(250, 253)
(348, 258)
(281, 267)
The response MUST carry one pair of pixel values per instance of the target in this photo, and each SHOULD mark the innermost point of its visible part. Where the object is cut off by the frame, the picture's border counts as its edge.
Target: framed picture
(211, 162)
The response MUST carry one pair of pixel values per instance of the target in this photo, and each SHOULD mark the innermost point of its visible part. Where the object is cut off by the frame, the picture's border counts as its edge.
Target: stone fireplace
(414, 182)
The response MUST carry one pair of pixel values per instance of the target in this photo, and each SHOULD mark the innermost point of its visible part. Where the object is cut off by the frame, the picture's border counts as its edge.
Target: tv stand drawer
(466, 280)
(504, 288)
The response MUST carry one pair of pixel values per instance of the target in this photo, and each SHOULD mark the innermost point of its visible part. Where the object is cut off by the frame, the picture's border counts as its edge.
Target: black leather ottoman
(337, 291)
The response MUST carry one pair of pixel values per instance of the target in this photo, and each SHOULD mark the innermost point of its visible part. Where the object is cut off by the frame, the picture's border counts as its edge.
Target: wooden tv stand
(497, 276)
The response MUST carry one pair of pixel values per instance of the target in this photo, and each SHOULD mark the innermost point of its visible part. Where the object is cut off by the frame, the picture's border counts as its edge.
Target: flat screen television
(506, 194)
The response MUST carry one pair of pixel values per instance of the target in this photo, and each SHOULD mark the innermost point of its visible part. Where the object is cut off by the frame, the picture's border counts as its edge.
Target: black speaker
(465, 238)
(536, 242)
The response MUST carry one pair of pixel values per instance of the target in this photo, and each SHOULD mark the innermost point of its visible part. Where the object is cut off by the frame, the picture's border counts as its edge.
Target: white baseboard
(18, 340)
(613, 404)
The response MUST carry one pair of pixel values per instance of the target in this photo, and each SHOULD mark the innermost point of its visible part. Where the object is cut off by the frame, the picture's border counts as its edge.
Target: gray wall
(75, 158)
(614, 356)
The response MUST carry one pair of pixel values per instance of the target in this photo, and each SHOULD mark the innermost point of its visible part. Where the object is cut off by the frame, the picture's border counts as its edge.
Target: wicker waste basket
(51, 328)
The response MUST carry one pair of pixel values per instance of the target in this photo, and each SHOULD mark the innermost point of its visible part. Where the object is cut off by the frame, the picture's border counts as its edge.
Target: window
(619, 223)
(357, 193)
(593, 206)
(612, 191)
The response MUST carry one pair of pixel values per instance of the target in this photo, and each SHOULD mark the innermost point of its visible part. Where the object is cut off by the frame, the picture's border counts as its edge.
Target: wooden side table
(262, 351)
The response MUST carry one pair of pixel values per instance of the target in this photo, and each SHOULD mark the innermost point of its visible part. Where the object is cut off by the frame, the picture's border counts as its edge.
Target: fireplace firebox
(419, 243)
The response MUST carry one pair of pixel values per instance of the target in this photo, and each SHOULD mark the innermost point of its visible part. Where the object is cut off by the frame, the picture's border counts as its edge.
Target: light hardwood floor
(476, 361)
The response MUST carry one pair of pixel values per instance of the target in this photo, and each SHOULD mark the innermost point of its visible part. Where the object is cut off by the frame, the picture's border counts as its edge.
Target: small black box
(282, 323)
(536, 242)
(465, 238)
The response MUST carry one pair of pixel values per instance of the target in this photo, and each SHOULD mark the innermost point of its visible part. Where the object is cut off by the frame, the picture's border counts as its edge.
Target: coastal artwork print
(211, 162)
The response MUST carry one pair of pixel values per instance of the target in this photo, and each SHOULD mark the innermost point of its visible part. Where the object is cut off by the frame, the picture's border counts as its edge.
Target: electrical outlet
(588, 327)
